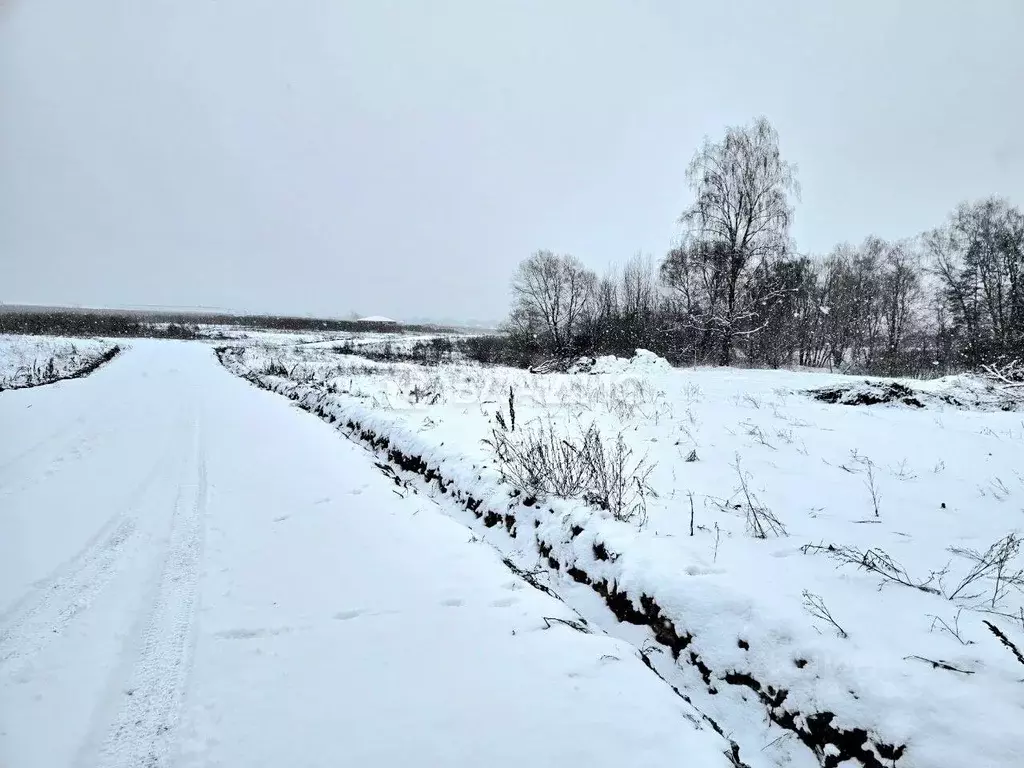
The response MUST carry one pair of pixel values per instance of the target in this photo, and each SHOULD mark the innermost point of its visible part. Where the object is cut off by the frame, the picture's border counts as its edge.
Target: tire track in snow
(142, 731)
(43, 614)
(64, 435)
(68, 440)
(72, 451)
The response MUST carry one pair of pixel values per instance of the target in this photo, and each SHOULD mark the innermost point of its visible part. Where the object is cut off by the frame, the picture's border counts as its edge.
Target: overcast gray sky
(399, 158)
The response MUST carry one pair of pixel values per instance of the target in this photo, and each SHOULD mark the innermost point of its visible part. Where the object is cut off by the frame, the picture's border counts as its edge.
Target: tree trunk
(725, 353)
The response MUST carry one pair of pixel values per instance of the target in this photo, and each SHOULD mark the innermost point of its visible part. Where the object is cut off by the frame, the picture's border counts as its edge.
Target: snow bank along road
(195, 573)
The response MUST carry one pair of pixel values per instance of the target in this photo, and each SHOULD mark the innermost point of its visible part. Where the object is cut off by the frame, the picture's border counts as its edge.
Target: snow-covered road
(195, 573)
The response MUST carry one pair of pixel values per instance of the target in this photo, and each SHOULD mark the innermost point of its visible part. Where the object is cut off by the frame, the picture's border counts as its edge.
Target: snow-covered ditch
(28, 361)
(831, 585)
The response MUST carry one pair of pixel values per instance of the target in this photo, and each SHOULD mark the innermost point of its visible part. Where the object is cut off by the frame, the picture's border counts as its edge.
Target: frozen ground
(871, 602)
(195, 573)
(28, 361)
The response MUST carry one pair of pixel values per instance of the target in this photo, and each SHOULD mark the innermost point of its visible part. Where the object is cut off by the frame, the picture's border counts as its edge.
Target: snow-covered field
(193, 573)
(838, 582)
(398, 342)
(27, 361)
(241, 335)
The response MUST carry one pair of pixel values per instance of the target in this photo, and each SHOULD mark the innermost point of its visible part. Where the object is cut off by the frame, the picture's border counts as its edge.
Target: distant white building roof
(376, 319)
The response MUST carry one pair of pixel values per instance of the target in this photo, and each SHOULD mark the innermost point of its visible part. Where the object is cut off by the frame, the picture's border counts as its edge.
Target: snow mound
(582, 365)
(966, 392)
(974, 393)
(644, 361)
(376, 319)
(868, 393)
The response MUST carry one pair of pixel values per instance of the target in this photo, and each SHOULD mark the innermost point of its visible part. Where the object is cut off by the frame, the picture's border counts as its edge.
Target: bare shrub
(692, 393)
(785, 435)
(870, 481)
(538, 459)
(876, 561)
(617, 482)
(996, 563)
(752, 401)
(274, 368)
(757, 433)
(952, 629)
(902, 472)
(761, 521)
(1008, 376)
(545, 459)
(815, 605)
(998, 489)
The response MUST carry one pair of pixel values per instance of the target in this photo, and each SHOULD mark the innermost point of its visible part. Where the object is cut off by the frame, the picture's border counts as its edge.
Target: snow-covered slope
(28, 361)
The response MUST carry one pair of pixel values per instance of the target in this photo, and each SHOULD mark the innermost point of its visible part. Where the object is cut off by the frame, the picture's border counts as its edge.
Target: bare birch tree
(741, 212)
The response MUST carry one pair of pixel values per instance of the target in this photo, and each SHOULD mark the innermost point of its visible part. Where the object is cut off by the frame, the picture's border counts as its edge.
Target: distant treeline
(735, 290)
(127, 323)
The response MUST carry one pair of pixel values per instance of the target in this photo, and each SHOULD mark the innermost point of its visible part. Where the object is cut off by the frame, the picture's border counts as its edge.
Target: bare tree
(979, 260)
(741, 213)
(639, 292)
(579, 284)
(855, 292)
(606, 297)
(951, 299)
(552, 291)
(900, 290)
(783, 300)
(840, 306)
(696, 273)
(865, 291)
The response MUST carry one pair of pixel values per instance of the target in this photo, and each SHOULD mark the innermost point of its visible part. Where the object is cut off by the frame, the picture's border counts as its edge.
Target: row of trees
(735, 290)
